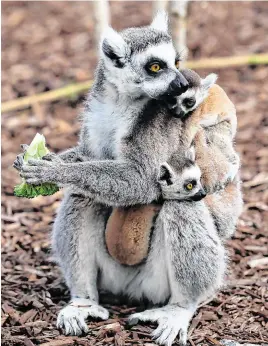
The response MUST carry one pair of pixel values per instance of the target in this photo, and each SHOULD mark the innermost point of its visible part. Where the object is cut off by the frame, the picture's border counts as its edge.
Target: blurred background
(49, 45)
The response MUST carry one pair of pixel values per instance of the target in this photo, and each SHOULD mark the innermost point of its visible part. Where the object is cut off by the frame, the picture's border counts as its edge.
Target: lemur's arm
(110, 182)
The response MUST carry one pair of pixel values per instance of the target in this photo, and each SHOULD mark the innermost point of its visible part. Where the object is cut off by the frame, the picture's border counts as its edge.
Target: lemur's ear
(166, 174)
(160, 21)
(114, 47)
(190, 153)
(207, 82)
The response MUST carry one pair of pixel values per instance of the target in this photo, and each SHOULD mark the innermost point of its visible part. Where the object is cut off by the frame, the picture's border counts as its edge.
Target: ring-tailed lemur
(128, 131)
(180, 178)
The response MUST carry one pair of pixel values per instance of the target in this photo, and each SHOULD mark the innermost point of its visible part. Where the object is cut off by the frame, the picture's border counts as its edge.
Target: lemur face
(196, 93)
(142, 62)
(179, 179)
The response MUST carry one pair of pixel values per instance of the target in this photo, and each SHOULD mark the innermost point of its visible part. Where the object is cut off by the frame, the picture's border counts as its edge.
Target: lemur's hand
(37, 172)
(18, 163)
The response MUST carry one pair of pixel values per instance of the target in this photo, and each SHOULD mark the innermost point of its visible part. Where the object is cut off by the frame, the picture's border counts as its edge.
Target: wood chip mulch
(32, 286)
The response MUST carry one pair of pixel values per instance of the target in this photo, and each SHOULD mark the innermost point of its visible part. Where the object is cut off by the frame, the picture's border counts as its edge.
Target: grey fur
(127, 133)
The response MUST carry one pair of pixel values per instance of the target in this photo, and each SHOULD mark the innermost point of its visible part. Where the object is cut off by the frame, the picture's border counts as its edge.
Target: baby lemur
(222, 147)
(180, 178)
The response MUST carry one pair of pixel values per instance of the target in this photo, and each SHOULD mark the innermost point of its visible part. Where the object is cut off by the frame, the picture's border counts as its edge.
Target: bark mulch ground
(49, 44)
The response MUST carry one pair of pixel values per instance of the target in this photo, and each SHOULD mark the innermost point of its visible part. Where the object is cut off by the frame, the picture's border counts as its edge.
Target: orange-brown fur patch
(128, 233)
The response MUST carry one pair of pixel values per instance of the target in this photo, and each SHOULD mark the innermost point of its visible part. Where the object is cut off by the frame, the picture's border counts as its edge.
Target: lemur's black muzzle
(199, 195)
(178, 86)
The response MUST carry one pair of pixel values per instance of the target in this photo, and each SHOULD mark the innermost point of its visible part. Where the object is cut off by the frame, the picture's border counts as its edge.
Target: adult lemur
(128, 131)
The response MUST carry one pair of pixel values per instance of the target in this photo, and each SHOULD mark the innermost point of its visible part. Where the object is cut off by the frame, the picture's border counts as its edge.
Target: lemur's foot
(172, 320)
(72, 318)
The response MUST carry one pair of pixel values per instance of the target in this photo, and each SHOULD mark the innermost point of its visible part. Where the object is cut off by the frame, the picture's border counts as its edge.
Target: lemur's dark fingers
(18, 163)
(48, 157)
(52, 157)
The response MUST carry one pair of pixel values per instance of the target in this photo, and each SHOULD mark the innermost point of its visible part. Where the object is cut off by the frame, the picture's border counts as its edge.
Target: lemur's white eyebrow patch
(163, 51)
(189, 93)
(191, 173)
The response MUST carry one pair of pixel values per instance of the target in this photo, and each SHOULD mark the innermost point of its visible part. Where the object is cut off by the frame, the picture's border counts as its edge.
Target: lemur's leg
(77, 231)
(196, 264)
(225, 207)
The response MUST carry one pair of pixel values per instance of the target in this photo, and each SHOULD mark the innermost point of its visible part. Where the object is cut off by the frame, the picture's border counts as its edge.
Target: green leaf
(31, 191)
(36, 150)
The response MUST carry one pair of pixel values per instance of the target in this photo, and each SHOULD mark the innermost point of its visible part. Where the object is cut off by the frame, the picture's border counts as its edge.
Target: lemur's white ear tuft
(190, 153)
(113, 45)
(166, 174)
(207, 82)
(160, 21)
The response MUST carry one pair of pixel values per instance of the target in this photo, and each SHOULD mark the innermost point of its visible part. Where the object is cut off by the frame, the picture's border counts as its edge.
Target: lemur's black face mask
(199, 195)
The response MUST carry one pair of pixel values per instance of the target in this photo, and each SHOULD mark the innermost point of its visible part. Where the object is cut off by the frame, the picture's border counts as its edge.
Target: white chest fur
(108, 122)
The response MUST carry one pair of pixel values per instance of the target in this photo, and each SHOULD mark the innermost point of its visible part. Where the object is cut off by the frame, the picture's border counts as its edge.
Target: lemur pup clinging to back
(189, 101)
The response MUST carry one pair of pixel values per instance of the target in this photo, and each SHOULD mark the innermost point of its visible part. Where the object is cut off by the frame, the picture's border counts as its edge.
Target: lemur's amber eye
(189, 186)
(155, 67)
(177, 64)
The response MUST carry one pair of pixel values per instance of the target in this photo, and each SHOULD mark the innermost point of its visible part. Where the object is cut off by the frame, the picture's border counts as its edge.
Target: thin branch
(254, 59)
(101, 17)
(74, 89)
(67, 91)
(161, 5)
(179, 11)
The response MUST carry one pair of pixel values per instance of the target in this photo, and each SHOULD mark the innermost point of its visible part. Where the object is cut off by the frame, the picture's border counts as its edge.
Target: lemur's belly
(149, 280)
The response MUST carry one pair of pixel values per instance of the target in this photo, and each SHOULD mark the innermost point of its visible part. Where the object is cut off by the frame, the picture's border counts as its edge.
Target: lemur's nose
(178, 86)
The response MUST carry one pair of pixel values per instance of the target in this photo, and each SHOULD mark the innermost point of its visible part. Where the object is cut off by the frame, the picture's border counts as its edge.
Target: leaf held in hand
(36, 150)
